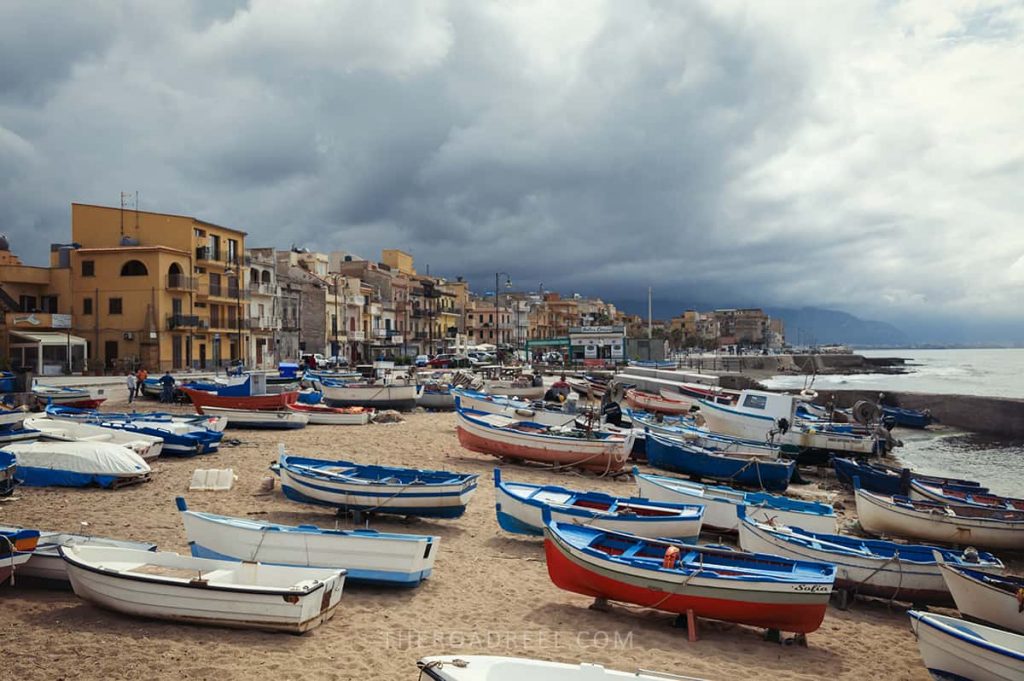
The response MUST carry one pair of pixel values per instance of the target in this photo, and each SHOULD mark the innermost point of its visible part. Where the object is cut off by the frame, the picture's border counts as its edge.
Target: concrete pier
(1000, 417)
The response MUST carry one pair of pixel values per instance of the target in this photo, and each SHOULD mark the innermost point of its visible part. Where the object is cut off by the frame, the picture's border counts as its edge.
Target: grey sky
(862, 156)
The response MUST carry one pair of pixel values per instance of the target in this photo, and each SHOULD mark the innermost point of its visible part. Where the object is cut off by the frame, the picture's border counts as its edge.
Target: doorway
(110, 353)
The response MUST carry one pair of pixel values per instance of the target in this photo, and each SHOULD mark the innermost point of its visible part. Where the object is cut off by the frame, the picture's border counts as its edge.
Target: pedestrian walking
(140, 379)
(167, 387)
(132, 383)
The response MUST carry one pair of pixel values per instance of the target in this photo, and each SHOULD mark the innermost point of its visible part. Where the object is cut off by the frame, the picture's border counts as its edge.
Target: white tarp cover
(75, 463)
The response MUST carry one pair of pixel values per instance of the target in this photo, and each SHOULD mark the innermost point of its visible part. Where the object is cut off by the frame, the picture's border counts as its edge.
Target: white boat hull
(947, 654)
(243, 418)
(378, 396)
(488, 668)
(873, 576)
(879, 516)
(146, 446)
(46, 563)
(444, 501)
(530, 516)
(982, 602)
(244, 595)
(404, 559)
(519, 410)
(720, 509)
(509, 390)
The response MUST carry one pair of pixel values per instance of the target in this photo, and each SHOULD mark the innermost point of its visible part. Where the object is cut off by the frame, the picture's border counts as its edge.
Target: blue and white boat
(520, 508)
(8, 467)
(984, 597)
(198, 421)
(77, 464)
(955, 649)
(368, 556)
(187, 437)
(908, 418)
(883, 479)
(363, 488)
(720, 504)
(750, 471)
(870, 567)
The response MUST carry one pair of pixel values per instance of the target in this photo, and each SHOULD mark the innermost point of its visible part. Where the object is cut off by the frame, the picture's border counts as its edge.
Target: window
(214, 247)
(755, 401)
(88, 268)
(49, 304)
(232, 250)
(114, 306)
(134, 268)
(86, 305)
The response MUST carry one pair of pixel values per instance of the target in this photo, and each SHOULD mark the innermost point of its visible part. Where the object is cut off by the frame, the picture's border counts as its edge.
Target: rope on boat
(899, 584)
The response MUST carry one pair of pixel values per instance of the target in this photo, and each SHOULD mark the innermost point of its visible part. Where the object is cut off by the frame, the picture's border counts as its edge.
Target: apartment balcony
(180, 282)
(421, 313)
(265, 323)
(381, 333)
(357, 335)
(232, 292)
(262, 289)
(186, 321)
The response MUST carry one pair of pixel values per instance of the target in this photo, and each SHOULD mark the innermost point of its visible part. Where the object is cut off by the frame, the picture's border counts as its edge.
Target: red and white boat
(65, 397)
(205, 398)
(747, 588)
(322, 415)
(645, 401)
(510, 438)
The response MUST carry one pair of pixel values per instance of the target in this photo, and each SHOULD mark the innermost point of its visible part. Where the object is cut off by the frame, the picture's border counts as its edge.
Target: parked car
(422, 360)
(552, 357)
(449, 361)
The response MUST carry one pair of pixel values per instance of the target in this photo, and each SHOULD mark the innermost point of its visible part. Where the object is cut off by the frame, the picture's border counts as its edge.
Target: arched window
(174, 269)
(266, 276)
(254, 276)
(134, 268)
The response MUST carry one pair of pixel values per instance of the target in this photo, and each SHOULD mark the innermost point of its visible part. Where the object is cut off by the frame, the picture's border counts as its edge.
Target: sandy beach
(489, 594)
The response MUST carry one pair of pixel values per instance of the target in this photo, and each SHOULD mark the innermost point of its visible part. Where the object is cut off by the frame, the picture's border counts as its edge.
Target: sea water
(999, 465)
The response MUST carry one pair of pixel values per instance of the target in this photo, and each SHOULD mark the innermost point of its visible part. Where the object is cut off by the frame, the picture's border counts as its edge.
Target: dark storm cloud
(848, 155)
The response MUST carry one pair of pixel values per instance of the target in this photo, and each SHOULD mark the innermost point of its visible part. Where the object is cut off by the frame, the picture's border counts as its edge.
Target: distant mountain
(817, 326)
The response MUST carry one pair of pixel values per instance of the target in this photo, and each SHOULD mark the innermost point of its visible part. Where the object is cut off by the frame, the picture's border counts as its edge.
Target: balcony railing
(357, 335)
(262, 289)
(263, 322)
(185, 321)
(180, 282)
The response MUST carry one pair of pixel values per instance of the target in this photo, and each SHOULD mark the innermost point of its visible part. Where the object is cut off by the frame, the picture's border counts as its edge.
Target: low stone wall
(994, 416)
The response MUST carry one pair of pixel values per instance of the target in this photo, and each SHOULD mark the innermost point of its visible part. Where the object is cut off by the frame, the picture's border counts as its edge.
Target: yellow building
(157, 289)
(35, 324)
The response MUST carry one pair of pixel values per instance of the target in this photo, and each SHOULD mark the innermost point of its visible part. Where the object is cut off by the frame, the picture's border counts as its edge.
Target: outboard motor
(612, 413)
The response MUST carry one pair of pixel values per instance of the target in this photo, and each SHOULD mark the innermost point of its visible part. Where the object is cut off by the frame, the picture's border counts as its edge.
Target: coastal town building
(156, 289)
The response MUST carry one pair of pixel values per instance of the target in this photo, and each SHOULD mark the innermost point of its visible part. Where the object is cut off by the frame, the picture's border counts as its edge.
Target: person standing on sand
(167, 384)
(131, 381)
(140, 379)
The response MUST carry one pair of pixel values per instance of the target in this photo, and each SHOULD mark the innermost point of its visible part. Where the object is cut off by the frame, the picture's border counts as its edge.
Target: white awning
(46, 338)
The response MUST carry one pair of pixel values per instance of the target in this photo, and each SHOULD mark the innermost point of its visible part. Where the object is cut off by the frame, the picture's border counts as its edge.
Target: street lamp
(237, 274)
(336, 348)
(497, 324)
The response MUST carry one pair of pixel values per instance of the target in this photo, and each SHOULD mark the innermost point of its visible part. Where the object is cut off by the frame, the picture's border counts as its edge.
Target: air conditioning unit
(128, 335)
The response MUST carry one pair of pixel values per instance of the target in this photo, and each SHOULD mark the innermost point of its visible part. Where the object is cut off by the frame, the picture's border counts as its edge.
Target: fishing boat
(937, 522)
(362, 488)
(720, 504)
(908, 418)
(68, 397)
(514, 408)
(196, 421)
(503, 437)
(587, 386)
(367, 555)
(322, 415)
(46, 563)
(959, 496)
(883, 479)
(13, 418)
(520, 507)
(77, 464)
(760, 472)
(16, 547)
(491, 668)
(376, 395)
(653, 363)
(659, 403)
(182, 436)
(754, 589)
(201, 399)
(521, 386)
(146, 446)
(992, 598)
(955, 649)
(680, 429)
(168, 586)
(8, 467)
(870, 567)
(261, 419)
